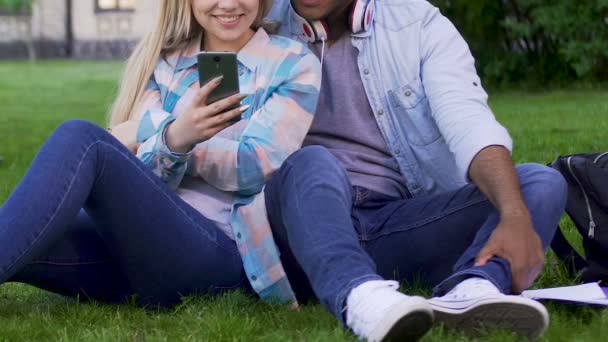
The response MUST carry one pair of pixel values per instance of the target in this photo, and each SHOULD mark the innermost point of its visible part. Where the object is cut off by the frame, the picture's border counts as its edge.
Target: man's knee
(311, 162)
(313, 157)
(310, 167)
(547, 182)
(546, 191)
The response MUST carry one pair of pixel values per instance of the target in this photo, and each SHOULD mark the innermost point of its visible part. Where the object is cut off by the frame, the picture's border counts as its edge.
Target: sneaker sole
(408, 321)
(522, 316)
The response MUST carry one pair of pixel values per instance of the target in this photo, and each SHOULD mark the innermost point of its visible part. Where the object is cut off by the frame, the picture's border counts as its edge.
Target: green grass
(36, 98)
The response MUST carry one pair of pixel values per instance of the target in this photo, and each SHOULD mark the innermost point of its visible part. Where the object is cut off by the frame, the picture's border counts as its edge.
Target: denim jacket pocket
(413, 113)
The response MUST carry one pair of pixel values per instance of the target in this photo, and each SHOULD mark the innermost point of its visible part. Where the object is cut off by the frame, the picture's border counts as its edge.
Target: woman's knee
(75, 127)
(74, 132)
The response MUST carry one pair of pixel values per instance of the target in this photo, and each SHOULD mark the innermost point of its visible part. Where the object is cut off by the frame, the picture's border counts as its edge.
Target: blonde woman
(186, 214)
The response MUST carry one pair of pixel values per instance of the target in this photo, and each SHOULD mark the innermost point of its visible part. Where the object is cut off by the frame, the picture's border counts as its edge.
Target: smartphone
(214, 64)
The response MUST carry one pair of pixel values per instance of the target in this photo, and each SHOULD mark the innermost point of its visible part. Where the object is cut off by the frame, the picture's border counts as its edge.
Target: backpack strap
(573, 261)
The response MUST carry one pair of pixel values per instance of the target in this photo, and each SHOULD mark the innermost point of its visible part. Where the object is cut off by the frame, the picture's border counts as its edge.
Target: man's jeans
(134, 237)
(338, 236)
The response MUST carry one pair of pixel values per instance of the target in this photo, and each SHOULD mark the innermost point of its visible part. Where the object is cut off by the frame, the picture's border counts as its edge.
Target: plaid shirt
(230, 169)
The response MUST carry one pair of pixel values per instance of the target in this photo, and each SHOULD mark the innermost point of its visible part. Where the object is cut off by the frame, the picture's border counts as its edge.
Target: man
(406, 175)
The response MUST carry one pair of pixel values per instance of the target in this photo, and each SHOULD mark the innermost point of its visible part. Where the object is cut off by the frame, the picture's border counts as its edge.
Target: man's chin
(310, 13)
(308, 3)
(319, 9)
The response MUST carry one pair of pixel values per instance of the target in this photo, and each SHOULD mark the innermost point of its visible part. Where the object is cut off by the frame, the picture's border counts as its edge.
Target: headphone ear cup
(368, 17)
(357, 16)
(321, 30)
(307, 29)
(313, 30)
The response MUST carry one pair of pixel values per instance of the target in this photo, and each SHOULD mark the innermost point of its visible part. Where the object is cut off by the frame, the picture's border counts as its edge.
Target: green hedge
(537, 41)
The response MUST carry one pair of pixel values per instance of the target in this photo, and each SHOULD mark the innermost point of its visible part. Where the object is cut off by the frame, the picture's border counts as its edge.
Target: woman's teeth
(228, 20)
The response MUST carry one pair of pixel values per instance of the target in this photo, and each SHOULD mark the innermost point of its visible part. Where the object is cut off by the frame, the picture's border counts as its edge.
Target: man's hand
(515, 240)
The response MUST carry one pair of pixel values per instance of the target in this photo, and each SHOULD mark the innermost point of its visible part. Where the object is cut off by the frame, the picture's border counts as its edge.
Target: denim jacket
(421, 83)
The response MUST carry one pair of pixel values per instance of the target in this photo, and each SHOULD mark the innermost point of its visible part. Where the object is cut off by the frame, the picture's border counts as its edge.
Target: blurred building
(76, 28)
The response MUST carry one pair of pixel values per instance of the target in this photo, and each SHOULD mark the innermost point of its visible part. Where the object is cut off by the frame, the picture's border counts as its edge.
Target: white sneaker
(476, 303)
(377, 311)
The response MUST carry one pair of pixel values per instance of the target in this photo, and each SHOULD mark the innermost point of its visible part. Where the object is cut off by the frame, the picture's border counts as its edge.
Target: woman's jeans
(334, 236)
(135, 237)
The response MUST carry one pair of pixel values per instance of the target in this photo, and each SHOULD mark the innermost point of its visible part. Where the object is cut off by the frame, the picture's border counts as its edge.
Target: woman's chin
(227, 40)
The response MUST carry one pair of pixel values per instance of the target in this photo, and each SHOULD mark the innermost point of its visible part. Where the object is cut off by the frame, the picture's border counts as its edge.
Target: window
(114, 5)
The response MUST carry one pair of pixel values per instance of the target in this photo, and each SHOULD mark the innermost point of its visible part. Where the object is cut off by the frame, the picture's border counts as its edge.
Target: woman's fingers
(232, 116)
(224, 105)
(201, 121)
(209, 125)
(222, 125)
(200, 97)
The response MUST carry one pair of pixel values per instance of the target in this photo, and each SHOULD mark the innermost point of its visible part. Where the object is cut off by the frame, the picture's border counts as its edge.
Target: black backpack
(587, 206)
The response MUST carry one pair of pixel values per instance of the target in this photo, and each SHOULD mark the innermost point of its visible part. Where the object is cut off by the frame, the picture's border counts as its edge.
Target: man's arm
(480, 145)
(514, 239)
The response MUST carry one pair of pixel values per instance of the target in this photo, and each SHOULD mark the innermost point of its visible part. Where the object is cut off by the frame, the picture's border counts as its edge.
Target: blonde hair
(174, 30)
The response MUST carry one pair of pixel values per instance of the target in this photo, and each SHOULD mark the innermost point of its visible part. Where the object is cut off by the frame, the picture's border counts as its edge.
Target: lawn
(36, 98)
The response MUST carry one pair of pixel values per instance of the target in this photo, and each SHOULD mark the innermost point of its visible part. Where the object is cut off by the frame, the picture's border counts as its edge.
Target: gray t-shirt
(345, 124)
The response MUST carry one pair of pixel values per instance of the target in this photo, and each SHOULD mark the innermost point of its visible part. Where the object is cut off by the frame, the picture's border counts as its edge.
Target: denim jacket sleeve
(458, 101)
(275, 130)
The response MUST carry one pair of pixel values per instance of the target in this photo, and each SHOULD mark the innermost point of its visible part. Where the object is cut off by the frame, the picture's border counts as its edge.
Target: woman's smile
(228, 21)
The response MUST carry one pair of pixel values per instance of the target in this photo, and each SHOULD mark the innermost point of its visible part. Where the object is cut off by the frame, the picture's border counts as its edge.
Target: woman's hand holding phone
(202, 121)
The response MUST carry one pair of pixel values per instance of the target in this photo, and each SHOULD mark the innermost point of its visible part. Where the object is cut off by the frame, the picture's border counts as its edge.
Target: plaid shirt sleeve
(170, 167)
(276, 128)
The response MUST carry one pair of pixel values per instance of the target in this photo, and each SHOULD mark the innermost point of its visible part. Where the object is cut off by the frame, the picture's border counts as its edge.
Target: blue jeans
(90, 219)
(333, 236)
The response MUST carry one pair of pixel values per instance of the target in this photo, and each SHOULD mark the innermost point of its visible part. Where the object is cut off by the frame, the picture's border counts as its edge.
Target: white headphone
(360, 20)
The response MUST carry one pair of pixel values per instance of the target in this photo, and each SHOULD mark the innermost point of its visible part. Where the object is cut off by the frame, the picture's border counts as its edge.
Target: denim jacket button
(408, 93)
(366, 71)
(380, 111)
(397, 151)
